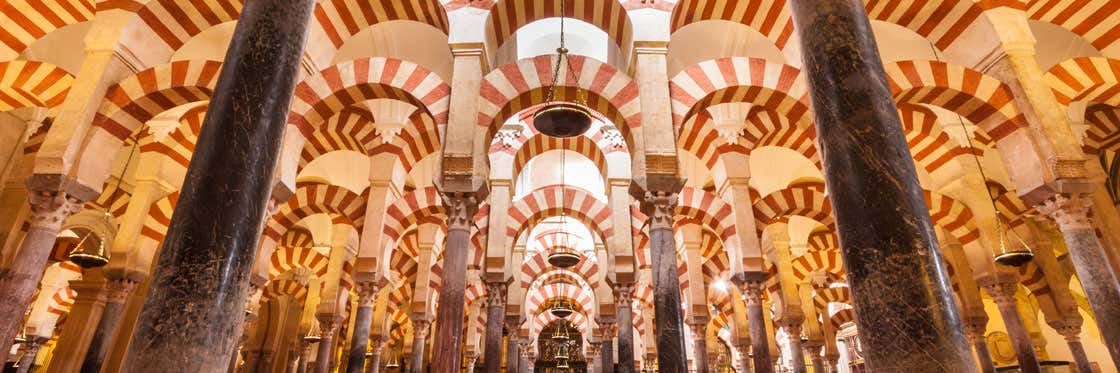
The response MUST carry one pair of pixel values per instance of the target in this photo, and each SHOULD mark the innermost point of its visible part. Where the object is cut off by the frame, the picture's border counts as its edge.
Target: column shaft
(192, 316)
(103, 336)
(607, 353)
(325, 354)
(447, 347)
(363, 318)
(624, 296)
(30, 352)
(700, 345)
(419, 338)
(668, 323)
(1004, 296)
(512, 348)
(975, 328)
(756, 321)
(793, 328)
(495, 317)
(888, 243)
(374, 364)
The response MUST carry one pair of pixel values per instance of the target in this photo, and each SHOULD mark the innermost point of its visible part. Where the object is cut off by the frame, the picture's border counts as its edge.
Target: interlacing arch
(930, 146)
(1089, 19)
(413, 208)
(26, 21)
(1092, 79)
(336, 21)
(546, 202)
(952, 215)
(708, 210)
(803, 200)
(763, 128)
(140, 97)
(296, 250)
(32, 84)
(537, 264)
(984, 100)
(506, 17)
(314, 198)
(740, 79)
(159, 218)
(511, 88)
(280, 287)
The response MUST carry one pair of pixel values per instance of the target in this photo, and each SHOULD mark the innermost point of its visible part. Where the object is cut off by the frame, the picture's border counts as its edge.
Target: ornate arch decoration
(506, 17)
(827, 261)
(1081, 18)
(982, 99)
(577, 319)
(411, 209)
(344, 206)
(546, 202)
(1104, 129)
(536, 265)
(537, 298)
(335, 22)
(805, 200)
(540, 144)
(32, 84)
(513, 87)
(776, 87)
(26, 21)
(296, 250)
(276, 288)
(931, 147)
(178, 146)
(771, 18)
(708, 210)
(764, 128)
(822, 297)
(952, 215)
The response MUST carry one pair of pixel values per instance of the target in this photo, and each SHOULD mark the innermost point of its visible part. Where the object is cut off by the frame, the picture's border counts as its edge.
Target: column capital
(1068, 211)
(496, 292)
(660, 207)
(1069, 328)
(118, 290)
(328, 324)
(421, 327)
(367, 292)
(1003, 293)
(623, 292)
(461, 208)
(975, 328)
(50, 209)
(608, 328)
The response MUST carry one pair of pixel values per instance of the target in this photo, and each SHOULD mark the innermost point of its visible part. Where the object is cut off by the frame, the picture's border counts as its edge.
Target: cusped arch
(32, 84)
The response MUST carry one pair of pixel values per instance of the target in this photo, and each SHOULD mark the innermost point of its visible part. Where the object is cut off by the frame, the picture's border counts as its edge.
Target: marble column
(699, 326)
(624, 299)
(328, 329)
(447, 346)
(813, 349)
(975, 329)
(832, 361)
(363, 318)
(744, 357)
(512, 350)
(495, 316)
(193, 313)
(374, 364)
(889, 249)
(304, 357)
(793, 329)
(1003, 293)
(592, 355)
(1092, 266)
(19, 281)
(751, 285)
(668, 324)
(420, 328)
(117, 292)
(606, 344)
(30, 351)
(530, 362)
(472, 359)
(1072, 334)
(526, 354)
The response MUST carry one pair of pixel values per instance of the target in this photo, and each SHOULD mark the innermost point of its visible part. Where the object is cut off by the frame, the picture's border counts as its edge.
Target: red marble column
(448, 346)
(1004, 295)
(668, 324)
(495, 317)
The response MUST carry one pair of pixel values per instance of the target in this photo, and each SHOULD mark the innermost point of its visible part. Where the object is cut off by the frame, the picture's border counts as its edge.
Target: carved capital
(367, 293)
(607, 329)
(496, 293)
(1070, 212)
(1003, 293)
(461, 208)
(118, 290)
(975, 328)
(50, 209)
(328, 325)
(421, 327)
(752, 291)
(660, 206)
(623, 293)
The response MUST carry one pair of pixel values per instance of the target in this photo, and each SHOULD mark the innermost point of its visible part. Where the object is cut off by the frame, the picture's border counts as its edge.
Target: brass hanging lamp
(563, 256)
(561, 119)
(87, 256)
(314, 335)
(561, 355)
(394, 362)
(562, 309)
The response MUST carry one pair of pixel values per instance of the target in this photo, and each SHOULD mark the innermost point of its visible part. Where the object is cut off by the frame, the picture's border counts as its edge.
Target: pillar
(888, 244)
(1092, 266)
(30, 351)
(472, 359)
(813, 349)
(975, 329)
(592, 355)
(374, 364)
(624, 299)
(744, 356)
(118, 289)
(1072, 334)
(363, 318)
(668, 324)
(752, 286)
(606, 346)
(192, 316)
(526, 347)
(447, 346)
(328, 328)
(19, 281)
(420, 329)
(699, 326)
(512, 346)
(1003, 293)
(793, 329)
(495, 316)
(77, 332)
(304, 357)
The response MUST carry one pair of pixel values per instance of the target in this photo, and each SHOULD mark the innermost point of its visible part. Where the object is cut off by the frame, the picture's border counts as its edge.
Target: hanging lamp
(1016, 256)
(314, 335)
(562, 119)
(561, 333)
(561, 308)
(93, 257)
(561, 355)
(394, 362)
(563, 256)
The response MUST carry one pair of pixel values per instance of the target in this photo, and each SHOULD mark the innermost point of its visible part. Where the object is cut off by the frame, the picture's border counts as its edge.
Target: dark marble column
(471, 360)
(606, 344)
(751, 285)
(975, 328)
(447, 346)
(420, 328)
(890, 252)
(20, 279)
(192, 316)
(304, 358)
(1072, 334)
(699, 327)
(745, 360)
(495, 317)
(1004, 296)
(513, 350)
(624, 299)
(328, 328)
(813, 349)
(30, 351)
(117, 292)
(668, 324)
(526, 353)
(793, 328)
(363, 318)
(1089, 260)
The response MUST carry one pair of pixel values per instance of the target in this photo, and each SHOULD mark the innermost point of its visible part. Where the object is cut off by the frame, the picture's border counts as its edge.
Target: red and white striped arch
(931, 147)
(25, 21)
(641, 239)
(842, 317)
(708, 210)
(1104, 129)
(547, 202)
(354, 130)
(296, 250)
(277, 288)
(140, 97)
(413, 208)
(827, 261)
(32, 84)
(540, 144)
(161, 27)
(716, 264)
(1034, 279)
(159, 218)
(516, 86)
(807, 201)
(1092, 20)
(178, 146)
(1092, 79)
(319, 97)
(577, 319)
(337, 21)
(740, 79)
(538, 298)
(839, 294)
(952, 215)
(770, 18)
(536, 270)
(823, 239)
(61, 301)
(314, 198)
(984, 100)
(763, 128)
(506, 17)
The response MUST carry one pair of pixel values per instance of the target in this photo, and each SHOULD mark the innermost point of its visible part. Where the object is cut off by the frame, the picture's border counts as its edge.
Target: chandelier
(561, 308)
(313, 335)
(563, 256)
(561, 119)
(92, 257)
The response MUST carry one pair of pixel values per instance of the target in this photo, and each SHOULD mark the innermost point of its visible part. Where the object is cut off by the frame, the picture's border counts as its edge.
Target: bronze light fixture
(562, 256)
(562, 309)
(560, 119)
(313, 335)
(93, 257)
(393, 363)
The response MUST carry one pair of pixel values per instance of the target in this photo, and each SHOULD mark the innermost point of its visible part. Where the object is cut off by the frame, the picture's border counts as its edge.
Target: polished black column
(624, 299)
(668, 324)
(363, 318)
(118, 290)
(192, 316)
(890, 252)
(974, 329)
(495, 317)
(606, 345)
(448, 344)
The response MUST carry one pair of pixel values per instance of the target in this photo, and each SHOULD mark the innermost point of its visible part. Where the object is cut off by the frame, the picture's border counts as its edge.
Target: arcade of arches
(358, 186)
